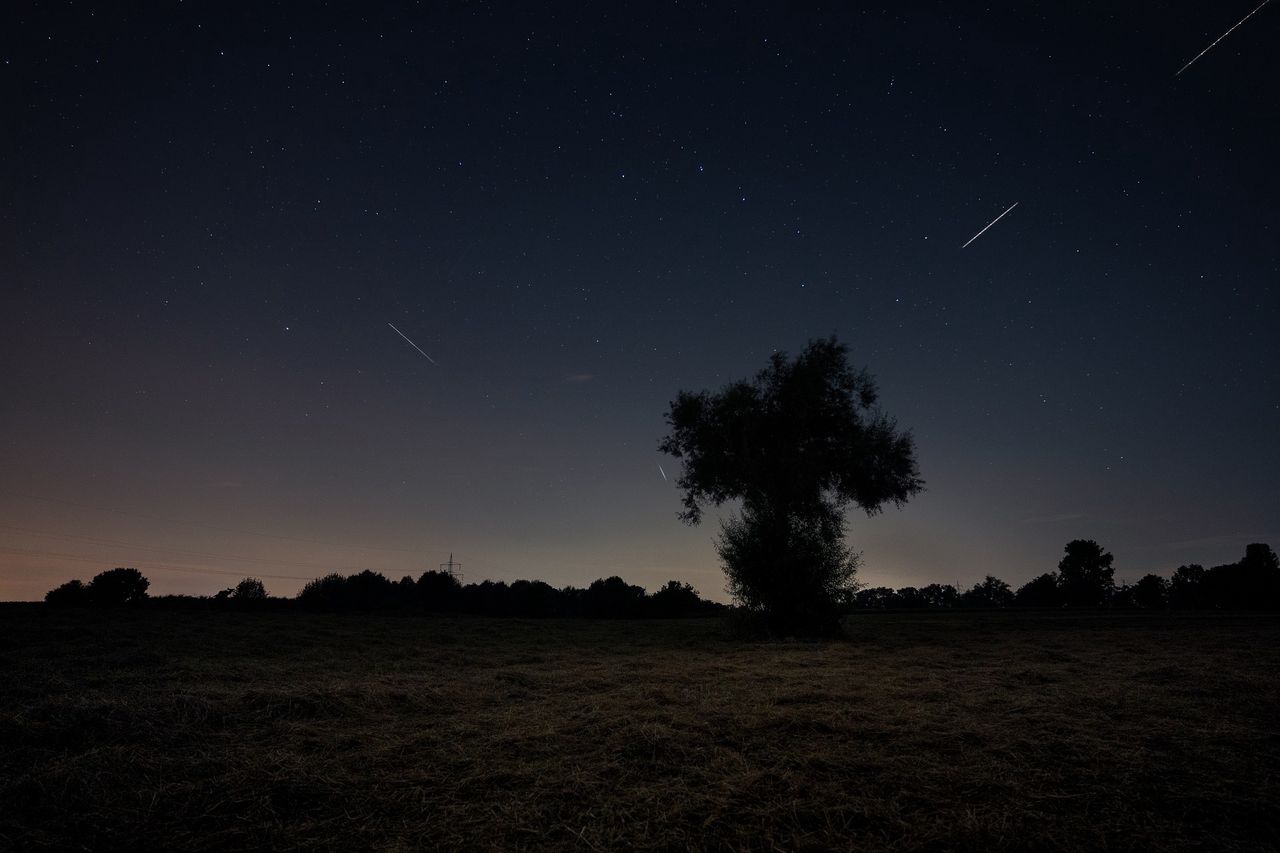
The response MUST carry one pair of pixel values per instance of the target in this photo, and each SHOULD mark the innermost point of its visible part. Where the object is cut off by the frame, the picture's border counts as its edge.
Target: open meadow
(153, 729)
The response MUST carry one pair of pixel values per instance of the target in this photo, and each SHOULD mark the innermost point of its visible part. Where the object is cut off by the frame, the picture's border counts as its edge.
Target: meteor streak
(411, 343)
(660, 471)
(1221, 37)
(997, 219)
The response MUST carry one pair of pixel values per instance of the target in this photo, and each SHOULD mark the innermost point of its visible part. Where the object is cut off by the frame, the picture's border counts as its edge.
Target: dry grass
(158, 730)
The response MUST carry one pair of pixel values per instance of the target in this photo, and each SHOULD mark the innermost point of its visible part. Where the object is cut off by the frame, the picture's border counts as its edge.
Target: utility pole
(452, 569)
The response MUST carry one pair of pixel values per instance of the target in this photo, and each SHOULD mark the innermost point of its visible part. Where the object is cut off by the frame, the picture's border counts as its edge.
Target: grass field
(169, 730)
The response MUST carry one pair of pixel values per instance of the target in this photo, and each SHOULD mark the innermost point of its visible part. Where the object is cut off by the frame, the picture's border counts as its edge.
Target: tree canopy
(1085, 574)
(797, 445)
(117, 587)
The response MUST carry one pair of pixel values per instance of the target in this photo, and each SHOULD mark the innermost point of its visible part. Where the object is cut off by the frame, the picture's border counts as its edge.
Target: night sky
(208, 218)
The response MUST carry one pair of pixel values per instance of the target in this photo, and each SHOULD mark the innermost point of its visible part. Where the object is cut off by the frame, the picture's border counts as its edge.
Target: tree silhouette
(1085, 575)
(875, 598)
(797, 445)
(794, 569)
(1039, 592)
(613, 598)
(1258, 578)
(324, 593)
(439, 591)
(1259, 557)
(1186, 587)
(1253, 583)
(912, 598)
(940, 596)
(534, 598)
(116, 587)
(1151, 591)
(249, 589)
(989, 592)
(675, 599)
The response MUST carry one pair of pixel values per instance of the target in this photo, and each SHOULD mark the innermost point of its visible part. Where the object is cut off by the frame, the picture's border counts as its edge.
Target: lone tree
(250, 589)
(1085, 576)
(117, 587)
(797, 445)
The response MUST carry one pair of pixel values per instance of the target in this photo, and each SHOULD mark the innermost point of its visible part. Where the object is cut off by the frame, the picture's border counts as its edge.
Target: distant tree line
(1086, 578)
(436, 592)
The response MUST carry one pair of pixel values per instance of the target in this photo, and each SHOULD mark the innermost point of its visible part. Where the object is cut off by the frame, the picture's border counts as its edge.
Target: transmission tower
(452, 569)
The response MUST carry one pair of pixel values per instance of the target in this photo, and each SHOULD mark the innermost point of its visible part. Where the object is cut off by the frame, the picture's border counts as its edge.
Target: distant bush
(117, 587)
(250, 589)
(73, 593)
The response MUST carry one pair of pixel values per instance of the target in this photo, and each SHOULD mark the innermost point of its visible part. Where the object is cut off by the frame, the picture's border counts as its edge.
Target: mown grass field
(170, 730)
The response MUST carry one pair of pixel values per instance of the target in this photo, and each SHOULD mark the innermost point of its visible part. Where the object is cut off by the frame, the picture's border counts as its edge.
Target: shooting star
(992, 222)
(663, 473)
(1221, 37)
(412, 344)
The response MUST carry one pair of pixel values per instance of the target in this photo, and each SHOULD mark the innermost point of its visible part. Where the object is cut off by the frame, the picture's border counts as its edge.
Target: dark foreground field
(161, 730)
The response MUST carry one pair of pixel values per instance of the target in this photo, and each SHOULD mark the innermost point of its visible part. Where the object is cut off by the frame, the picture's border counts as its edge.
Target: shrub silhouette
(73, 593)
(117, 587)
(797, 444)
